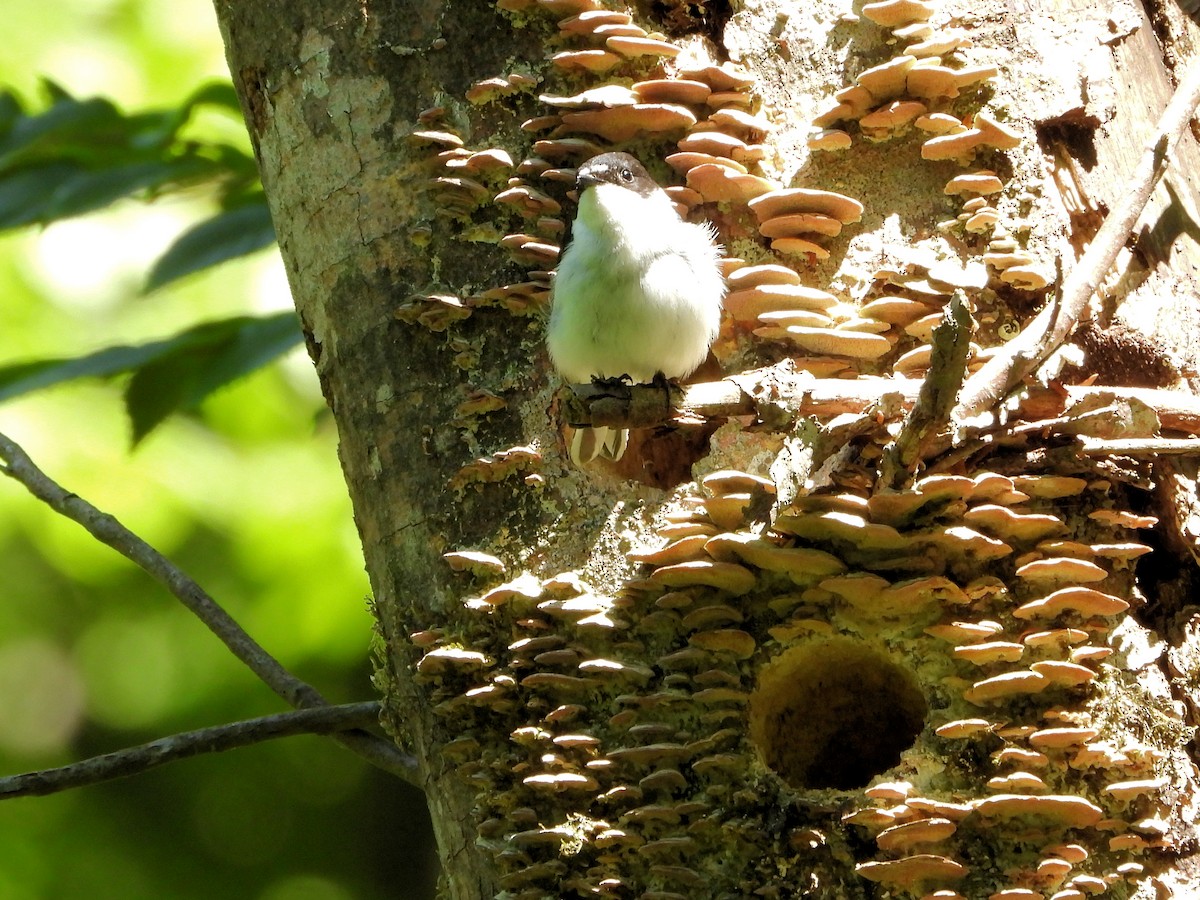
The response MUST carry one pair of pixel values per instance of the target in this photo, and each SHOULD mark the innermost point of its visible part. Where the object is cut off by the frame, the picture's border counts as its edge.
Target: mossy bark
(576, 725)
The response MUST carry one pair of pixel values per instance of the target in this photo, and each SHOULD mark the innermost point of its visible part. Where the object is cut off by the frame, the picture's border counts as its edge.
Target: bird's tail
(589, 443)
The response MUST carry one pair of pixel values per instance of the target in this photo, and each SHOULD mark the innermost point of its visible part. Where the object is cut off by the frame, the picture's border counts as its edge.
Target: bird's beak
(583, 181)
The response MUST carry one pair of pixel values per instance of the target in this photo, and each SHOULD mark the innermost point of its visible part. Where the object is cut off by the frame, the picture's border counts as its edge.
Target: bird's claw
(618, 384)
(619, 381)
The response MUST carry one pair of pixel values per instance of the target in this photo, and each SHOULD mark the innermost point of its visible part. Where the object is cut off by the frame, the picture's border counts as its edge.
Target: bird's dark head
(620, 169)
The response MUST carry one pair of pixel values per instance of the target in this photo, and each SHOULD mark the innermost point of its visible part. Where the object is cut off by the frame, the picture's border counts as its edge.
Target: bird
(637, 293)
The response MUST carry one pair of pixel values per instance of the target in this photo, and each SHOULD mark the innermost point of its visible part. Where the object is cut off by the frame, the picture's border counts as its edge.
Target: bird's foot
(617, 381)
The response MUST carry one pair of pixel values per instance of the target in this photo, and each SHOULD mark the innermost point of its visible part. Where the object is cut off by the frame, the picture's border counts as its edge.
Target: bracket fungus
(587, 21)
(641, 46)
(587, 60)
(980, 183)
(897, 13)
(830, 139)
(746, 304)
(718, 183)
(1076, 812)
(912, 871)
(985, 132)
(962, 728)
(672, 90)
(620, 123)
(789, 201)
(814, 646)
(1062, 569)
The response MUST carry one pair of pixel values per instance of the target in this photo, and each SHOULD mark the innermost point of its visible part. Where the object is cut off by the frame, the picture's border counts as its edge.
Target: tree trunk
(823, 687)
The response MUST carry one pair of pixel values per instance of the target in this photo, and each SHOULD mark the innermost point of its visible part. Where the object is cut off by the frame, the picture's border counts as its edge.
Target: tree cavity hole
(834, 714)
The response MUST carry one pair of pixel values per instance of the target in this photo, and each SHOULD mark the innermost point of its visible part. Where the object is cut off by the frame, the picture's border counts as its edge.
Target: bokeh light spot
(306, 887)
(130, 668)
(41, 697)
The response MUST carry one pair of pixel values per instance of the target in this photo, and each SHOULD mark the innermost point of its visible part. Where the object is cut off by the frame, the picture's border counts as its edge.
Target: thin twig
(780, 395)
(1022, 355)
(1176, 410)
(106, 529)
(1139, 447)
(931, 412)
(142, 758)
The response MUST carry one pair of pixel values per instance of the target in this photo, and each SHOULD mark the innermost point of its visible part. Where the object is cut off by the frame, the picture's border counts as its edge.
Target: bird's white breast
(638, 290)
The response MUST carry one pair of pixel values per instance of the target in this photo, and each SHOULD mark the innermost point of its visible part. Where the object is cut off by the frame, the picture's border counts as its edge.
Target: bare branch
(779, 394)
(106, 529)
(142, 758)
(1053, 324)
(1139, 447)
(931, 412)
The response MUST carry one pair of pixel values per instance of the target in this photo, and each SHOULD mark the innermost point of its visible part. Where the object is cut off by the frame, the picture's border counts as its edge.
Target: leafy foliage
(78, 156)
(94, 656)
(81, 155)
(171, 374)
(231, 233)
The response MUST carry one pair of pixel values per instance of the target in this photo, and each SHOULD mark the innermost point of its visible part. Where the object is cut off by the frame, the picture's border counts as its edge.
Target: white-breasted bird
(638, 290)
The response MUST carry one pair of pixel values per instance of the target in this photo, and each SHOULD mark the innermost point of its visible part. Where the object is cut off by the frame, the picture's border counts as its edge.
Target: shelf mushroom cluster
(464, 181)
(915, 89)
(1030, 644)
(457, 188)
(629, 755)
(707, 102)
(1014, 265)
(773, 301)
(912, 297)
(977, 217)
(628, 712)
(839, 337)
(612, 35)
(711, 104)
(912, 90)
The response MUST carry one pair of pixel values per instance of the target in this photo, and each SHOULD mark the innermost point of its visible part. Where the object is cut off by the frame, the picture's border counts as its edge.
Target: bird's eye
(626, 175)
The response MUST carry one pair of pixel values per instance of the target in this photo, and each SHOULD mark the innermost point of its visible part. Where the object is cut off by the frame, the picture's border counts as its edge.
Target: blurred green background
(246, 495)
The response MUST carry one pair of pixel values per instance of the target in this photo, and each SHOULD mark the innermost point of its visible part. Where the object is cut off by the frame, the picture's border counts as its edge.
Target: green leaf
(25, 195)
(242, 166)
(10, 111)
(23, 378)
(69, 128)
(225, 236)
(158, 389)
(215, 93)
(180, 380)
(86, 191)
(80, 155)
(253, 343)
(170, 374)
(54, 91)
